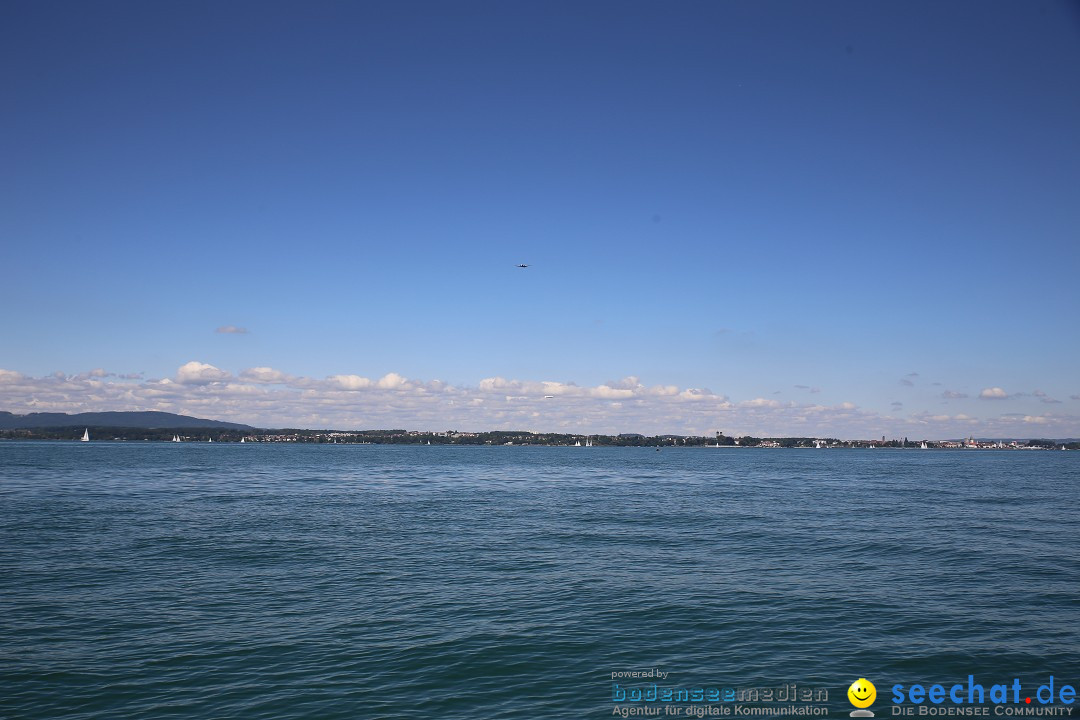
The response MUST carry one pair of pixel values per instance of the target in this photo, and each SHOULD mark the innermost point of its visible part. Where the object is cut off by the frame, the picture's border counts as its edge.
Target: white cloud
(761, 402)
(493, 384)
(610, 393)
(700, 395)
(994, 393)
(264, 375)
(231, 330)
(197, 373)
(1044, 398)
(613, 390)
(957, 420)
(10, 376)
(392, 381)
(953, 395)
(350, 382)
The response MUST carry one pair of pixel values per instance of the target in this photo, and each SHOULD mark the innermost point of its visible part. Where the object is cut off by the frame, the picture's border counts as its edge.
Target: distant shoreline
(509, 438)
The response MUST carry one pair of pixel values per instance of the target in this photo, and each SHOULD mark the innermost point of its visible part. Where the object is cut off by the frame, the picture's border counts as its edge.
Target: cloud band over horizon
(266, 397)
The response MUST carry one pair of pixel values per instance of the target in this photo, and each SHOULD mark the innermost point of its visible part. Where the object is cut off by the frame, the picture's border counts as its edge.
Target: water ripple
(399, 582)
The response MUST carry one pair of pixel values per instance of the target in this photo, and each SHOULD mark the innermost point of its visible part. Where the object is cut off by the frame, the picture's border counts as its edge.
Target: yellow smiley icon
(862, 693)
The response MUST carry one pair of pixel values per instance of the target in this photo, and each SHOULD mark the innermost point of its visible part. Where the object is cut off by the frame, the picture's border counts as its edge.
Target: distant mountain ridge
(149, 419)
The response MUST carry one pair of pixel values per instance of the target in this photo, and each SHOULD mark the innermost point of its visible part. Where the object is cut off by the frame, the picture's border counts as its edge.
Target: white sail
(86, 435)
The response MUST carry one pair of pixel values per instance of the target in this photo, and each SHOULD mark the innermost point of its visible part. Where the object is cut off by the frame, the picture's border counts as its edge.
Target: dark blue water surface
(283, 581)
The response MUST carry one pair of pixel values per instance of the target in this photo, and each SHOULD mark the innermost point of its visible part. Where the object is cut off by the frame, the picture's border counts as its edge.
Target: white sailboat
(577, 444)
(86, 436)
(923, 446)
(176, 438)
(243, 440)
(588, 441)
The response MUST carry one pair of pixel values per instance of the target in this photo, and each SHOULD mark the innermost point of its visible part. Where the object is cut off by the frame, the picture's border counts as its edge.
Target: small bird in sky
(522, 266)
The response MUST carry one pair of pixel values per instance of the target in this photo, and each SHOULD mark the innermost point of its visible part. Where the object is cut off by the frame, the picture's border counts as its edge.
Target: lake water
(291, 581)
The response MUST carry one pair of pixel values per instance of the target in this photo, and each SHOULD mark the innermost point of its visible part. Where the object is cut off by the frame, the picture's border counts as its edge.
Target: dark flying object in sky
(522, 266)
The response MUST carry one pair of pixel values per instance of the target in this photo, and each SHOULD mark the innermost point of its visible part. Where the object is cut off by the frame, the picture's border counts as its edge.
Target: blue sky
(874, 201)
